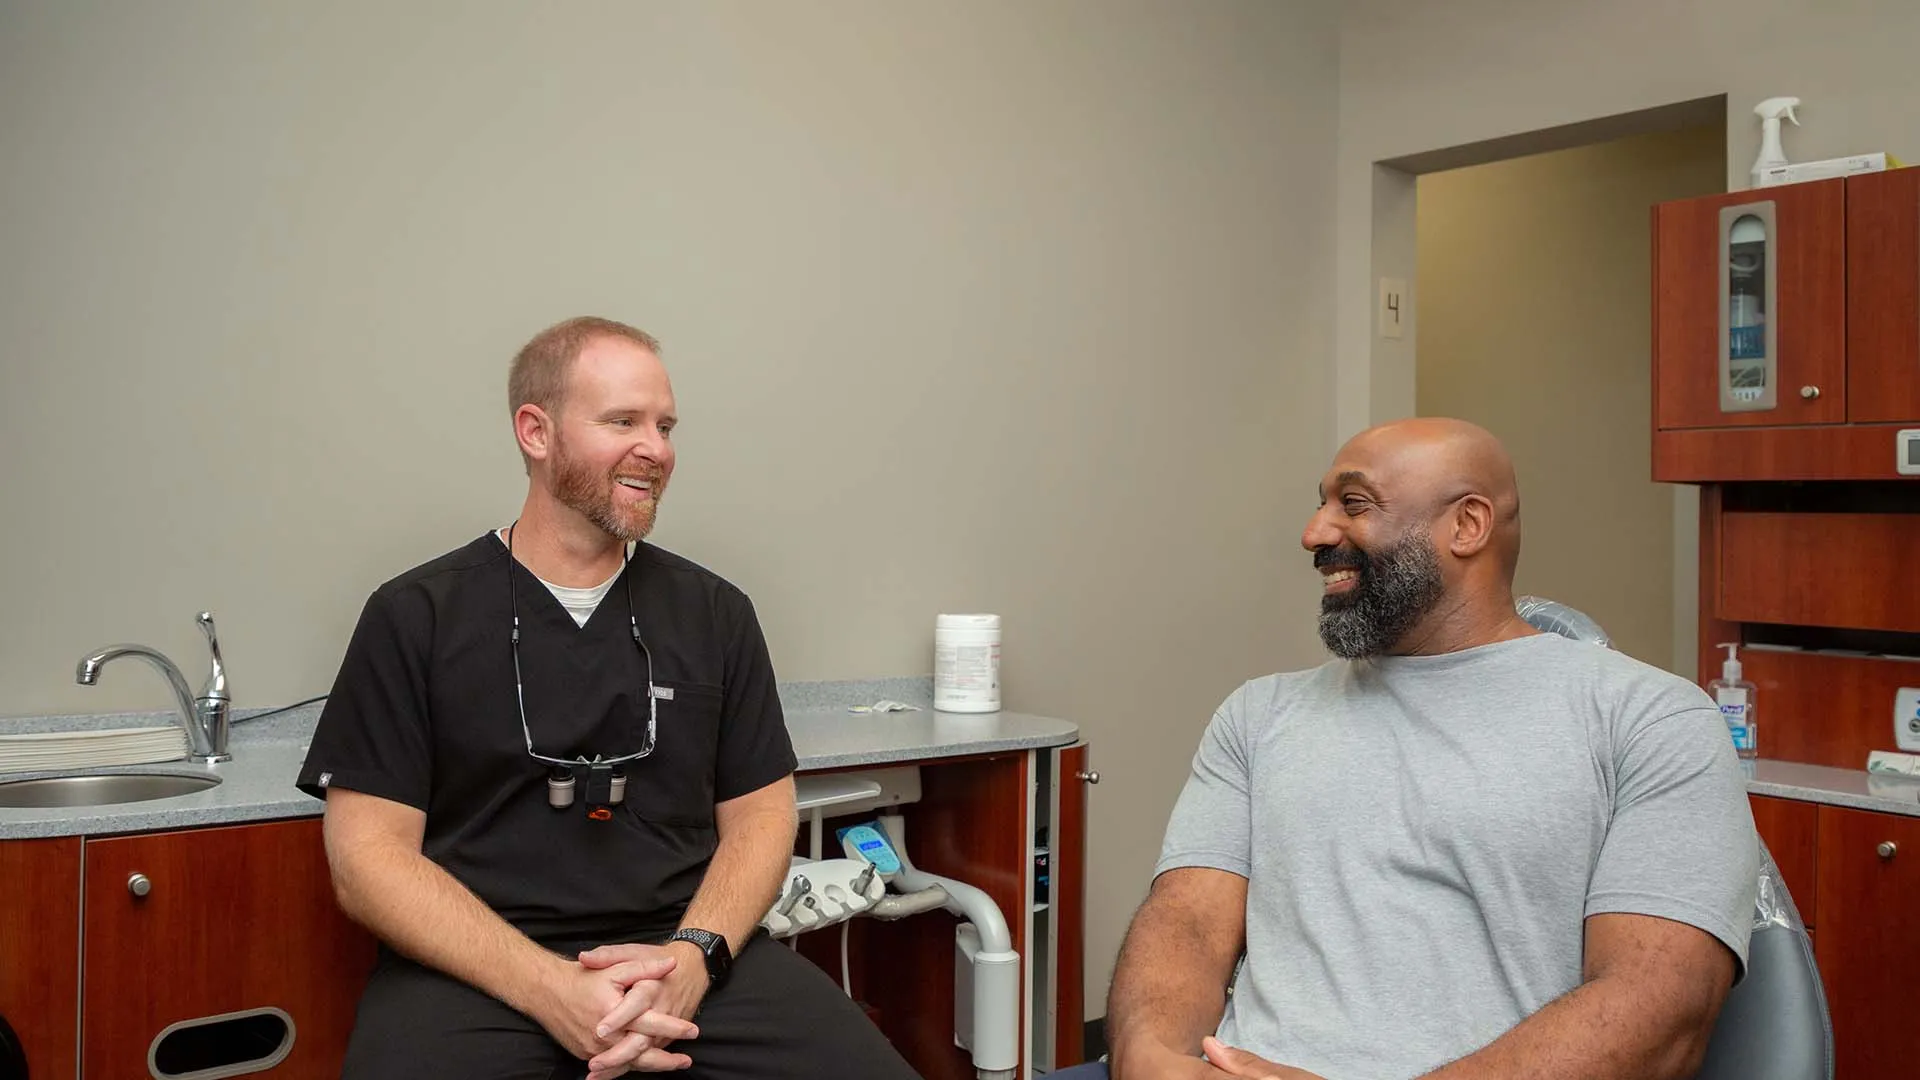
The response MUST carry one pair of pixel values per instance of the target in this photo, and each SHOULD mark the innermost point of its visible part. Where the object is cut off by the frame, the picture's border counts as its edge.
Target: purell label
(1733, 710)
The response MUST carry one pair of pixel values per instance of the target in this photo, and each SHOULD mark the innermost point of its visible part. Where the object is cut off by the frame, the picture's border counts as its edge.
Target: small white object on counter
(884, 705)
(1882, 761)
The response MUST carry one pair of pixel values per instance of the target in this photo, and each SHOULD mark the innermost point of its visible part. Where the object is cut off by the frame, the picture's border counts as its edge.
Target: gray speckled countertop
(835, 739)
(257, 785)
(1853, 788)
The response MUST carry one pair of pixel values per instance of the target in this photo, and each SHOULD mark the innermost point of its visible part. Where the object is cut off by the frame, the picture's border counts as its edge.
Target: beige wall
(1534, 275)
(1417, 77)
(1000, 306)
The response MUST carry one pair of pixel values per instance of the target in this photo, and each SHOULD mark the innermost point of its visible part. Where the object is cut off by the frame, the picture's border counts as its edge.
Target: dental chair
(1775, 1024)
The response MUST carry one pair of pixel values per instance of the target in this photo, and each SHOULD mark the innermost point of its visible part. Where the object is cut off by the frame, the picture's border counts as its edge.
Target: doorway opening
(1530, 304)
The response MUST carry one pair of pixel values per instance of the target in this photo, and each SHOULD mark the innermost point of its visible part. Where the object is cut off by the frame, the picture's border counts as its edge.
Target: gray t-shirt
(1424, 836)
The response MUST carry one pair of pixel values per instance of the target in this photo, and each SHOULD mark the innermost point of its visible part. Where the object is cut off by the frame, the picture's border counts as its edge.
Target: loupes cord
(278, 711)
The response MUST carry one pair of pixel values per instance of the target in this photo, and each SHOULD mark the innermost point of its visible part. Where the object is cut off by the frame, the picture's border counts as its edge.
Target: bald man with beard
(1459, 849)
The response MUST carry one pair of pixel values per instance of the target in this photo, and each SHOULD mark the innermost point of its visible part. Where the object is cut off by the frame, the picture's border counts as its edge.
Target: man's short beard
(590, 494)
(1395, 589)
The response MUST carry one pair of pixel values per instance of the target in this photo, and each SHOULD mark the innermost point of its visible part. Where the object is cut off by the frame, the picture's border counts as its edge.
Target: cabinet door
(1869, 942)
(1883, 297)
(1788, 827)
(1069, 883)
(232, 920)
(39, 941)
(1749, 308)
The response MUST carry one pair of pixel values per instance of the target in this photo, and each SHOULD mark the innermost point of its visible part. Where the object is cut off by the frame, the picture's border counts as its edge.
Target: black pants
(777, 1016)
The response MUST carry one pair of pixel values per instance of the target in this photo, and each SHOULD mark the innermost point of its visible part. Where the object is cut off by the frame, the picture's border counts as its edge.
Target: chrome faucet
(205, 718)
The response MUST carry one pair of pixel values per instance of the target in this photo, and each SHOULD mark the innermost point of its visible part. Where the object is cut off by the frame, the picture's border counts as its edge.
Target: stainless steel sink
(98, 790)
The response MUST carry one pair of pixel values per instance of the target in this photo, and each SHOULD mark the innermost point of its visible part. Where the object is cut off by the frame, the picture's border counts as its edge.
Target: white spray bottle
(1735, 697)
(1771, 153)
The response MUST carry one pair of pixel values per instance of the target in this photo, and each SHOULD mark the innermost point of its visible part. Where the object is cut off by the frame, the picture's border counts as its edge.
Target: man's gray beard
(1397, 587)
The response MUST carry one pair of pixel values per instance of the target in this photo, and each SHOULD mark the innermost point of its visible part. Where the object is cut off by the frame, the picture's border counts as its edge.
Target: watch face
(711, 944)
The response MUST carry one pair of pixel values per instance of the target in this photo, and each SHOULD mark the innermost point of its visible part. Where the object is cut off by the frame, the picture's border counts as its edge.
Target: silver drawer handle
(1089, 777)
(1887, 848)
(1809, 392)
(139, 885)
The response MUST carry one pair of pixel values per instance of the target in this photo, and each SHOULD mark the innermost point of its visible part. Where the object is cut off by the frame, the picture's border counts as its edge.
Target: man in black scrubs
(559, 783)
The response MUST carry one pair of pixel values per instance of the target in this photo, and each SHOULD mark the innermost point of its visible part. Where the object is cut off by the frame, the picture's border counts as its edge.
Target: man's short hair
(539, 372)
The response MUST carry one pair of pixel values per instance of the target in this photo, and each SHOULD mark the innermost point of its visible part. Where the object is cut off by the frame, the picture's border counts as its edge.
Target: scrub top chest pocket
(674, 785)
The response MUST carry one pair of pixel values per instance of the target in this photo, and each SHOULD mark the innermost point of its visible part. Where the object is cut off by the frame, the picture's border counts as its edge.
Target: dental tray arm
(891, 907)
(962, 898)
(991, 1018)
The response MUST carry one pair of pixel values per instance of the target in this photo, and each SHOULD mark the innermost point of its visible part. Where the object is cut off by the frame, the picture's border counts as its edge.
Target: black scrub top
(423, 713)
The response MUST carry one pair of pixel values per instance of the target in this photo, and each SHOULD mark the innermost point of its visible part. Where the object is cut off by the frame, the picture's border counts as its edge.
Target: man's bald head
(1416, 516)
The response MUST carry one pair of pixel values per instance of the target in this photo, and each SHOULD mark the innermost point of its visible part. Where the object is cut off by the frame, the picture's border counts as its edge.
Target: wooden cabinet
(1883, 296)
(107, 943)
(1069, 906)
(39, 938)
(1789, 829)
(182, 926)
(1786, 330)
(1840, 570)
(170, 928)
(1742, 326)
(1823, 709)
(1854, 876)
(984, 820)
(1806, 533)
(1868, 946)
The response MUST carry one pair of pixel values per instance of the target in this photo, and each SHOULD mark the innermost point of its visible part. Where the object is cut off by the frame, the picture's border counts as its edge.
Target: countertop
(1853, 788)
(257, 785)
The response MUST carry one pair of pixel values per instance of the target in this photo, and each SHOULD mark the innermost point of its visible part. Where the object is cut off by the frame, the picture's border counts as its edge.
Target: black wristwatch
(713, 947)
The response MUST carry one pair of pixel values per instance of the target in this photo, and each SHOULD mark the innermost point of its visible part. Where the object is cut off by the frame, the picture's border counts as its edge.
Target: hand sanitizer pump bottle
(1734, 695)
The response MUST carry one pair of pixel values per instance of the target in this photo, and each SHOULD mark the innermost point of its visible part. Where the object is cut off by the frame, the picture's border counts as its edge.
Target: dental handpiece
(799, 887)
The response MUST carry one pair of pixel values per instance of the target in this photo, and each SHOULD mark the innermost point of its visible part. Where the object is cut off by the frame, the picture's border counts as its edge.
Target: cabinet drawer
(1807, 569)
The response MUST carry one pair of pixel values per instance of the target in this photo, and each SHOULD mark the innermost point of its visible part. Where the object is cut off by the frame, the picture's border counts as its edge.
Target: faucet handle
(216, 685)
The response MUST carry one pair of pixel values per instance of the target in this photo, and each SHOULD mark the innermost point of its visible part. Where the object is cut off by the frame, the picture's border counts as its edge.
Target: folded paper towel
(1886, 761)
(884, 705)
(43, 750)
